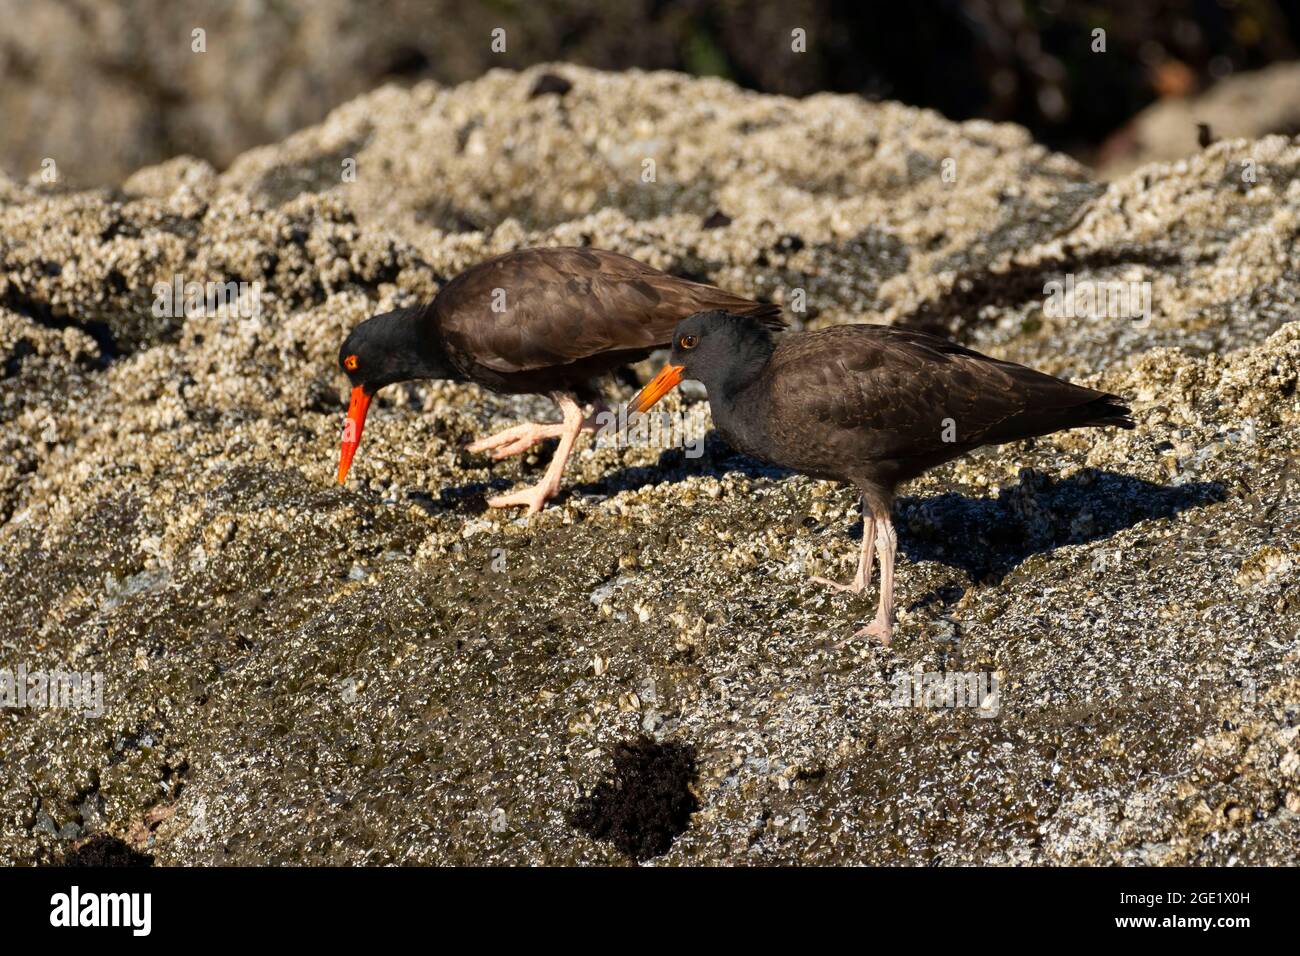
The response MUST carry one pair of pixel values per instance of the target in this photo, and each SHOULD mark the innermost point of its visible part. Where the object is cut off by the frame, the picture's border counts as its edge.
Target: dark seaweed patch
(646, 803)
(105, 850)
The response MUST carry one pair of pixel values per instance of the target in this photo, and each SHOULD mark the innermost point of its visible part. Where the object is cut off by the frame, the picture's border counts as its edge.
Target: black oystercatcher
(536, 320)
(868, 404)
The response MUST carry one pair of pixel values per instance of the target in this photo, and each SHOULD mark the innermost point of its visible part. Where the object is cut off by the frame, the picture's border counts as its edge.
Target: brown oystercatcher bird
(867, 404)
(537, 320)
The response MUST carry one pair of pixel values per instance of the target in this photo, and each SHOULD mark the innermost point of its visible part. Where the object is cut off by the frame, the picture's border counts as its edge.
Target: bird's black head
(393, 347)
(707, 345)
(384, 349)
(721, 350)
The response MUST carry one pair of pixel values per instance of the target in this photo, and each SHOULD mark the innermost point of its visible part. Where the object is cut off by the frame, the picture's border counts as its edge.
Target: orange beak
(357, 409)
(657, 388)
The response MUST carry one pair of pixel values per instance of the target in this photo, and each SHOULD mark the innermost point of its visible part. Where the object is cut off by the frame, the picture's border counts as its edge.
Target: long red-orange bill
(357, 409)
(657, 388)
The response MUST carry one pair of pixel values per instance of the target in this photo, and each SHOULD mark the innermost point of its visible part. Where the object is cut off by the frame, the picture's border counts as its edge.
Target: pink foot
(878, 630)
(512, 441)
(533, 498)
(853, 587)
(516, 440)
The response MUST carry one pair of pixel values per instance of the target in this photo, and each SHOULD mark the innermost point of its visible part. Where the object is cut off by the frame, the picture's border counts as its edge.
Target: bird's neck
(416, 339)
(434, 361)
(735, 389)
(747, 363)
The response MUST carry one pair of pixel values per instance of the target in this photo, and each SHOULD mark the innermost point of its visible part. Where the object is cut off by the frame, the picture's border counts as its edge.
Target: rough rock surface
(387, 672)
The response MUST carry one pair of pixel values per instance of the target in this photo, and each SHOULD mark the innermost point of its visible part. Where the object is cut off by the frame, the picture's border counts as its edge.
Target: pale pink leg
(882, 628)
(519, 438)
(516, 440)
(534, 497)
(863, 576)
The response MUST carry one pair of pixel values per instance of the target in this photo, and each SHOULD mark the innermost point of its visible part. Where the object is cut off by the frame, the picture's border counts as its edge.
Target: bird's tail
(1106, 410)
(766, 314)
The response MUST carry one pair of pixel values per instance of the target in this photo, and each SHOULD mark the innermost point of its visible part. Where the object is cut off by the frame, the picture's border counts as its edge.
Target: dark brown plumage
(868, 404)
(537, 320)
(570, 315)
(880, 405)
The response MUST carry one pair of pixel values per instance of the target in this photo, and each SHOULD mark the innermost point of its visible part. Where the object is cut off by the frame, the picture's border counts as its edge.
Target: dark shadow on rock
(104, 850)
(941, 598)
(645, 803)
(471, 497)
(468, 499)
(984, 537)
(48, 316)
(716, 460)
(989, 537)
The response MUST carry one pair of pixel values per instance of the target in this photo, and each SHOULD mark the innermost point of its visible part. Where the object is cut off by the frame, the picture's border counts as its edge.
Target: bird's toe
(877, 630)
(507, 437)
(534, 499)
(516, 447)
(514, 441)
(853, 587)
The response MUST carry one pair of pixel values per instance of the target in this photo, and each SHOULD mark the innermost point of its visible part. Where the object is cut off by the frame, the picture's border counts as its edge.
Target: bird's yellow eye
(350, 363)
(689, 341)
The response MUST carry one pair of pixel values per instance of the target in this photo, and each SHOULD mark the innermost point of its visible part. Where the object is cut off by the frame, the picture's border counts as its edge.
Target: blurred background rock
(105, 88)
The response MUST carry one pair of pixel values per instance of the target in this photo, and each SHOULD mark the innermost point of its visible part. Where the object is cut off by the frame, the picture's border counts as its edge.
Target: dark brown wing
(554, 307)
(859, 394)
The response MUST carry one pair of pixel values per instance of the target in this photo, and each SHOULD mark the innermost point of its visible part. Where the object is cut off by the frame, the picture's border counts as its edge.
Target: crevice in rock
(953, 314)
(42, 313)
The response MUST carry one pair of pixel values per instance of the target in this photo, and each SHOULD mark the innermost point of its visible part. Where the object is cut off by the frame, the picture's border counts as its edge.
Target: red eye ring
(350, 363)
